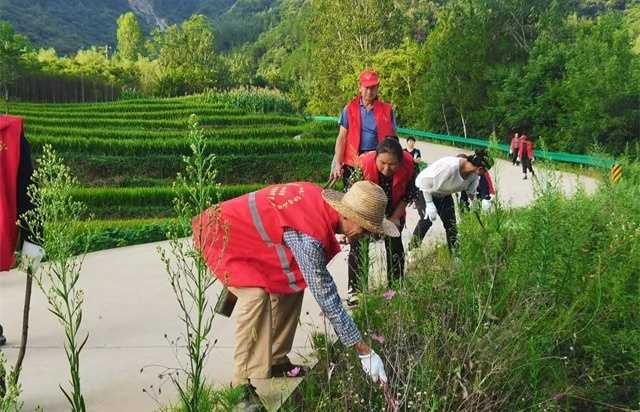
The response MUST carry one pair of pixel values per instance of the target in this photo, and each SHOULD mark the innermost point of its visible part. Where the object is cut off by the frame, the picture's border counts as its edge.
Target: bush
(540, 311)
(249, 99)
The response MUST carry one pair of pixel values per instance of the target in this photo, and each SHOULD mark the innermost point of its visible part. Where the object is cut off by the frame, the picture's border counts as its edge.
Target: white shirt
(443, 178)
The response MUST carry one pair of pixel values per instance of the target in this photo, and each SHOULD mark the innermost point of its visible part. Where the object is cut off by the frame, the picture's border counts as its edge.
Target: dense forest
(566, 71)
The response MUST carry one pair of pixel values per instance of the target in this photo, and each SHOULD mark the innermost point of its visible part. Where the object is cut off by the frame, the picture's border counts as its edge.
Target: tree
(129, 36)
(455, 85)
(342, 39)
(186, 55)
(13, 47)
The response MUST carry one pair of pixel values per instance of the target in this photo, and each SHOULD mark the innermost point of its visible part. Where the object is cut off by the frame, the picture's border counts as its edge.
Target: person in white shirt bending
(439, 181)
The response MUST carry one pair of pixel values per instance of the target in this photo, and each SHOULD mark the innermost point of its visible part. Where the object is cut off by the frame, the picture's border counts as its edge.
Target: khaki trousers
(265, 327)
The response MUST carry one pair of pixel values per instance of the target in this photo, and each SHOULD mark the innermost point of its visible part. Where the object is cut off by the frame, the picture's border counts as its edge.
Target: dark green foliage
(539, 310)
(153, 170)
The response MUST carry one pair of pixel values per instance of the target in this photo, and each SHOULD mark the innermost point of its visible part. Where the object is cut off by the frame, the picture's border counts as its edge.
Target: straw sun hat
(364, 204)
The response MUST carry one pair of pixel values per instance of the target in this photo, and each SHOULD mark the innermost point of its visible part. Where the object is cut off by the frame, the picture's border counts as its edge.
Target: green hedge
(131, 147)
(96, 170)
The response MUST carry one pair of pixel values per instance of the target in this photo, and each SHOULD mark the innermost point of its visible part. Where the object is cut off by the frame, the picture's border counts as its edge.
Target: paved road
(129, 307)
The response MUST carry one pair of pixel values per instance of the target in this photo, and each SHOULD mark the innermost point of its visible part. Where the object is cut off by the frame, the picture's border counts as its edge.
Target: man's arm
(309, 255)
(341, 142)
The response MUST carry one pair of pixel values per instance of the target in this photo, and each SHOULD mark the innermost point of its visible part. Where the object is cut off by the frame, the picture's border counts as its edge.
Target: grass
(538, 311)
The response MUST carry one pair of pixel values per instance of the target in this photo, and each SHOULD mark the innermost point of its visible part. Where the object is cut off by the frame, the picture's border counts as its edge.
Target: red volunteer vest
(384, 128)
(10, 133)
(245, 248)
(401, 177)
(525, 144)
(492, 189)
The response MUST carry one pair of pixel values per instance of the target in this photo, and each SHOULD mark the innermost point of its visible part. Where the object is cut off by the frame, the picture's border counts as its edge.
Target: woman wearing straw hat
(392, 168)
(267, 246)
(439, 181)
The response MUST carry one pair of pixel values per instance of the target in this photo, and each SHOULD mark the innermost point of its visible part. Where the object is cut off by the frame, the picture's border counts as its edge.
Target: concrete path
(130, 307)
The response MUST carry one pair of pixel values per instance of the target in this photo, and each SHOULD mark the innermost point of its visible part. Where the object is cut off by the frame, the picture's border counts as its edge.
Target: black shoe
(250, 401)
(353, 301)
(3, 340)
(288, 370)
(525, 177)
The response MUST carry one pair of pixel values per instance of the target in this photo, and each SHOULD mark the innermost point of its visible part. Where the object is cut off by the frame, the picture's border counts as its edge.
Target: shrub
(539, 310)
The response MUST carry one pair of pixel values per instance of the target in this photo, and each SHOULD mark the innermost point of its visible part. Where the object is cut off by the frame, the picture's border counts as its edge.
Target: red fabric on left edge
(10, 132)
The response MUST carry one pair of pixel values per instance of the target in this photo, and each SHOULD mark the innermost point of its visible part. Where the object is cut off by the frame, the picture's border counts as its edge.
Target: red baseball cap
(369, 78)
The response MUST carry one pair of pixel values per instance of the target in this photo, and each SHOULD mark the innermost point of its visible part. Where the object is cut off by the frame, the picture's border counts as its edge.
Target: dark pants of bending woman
(359, 261)
(447, 213)
(526, 164)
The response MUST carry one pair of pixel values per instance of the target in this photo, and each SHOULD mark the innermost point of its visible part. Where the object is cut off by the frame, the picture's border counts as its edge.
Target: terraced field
(126, 154)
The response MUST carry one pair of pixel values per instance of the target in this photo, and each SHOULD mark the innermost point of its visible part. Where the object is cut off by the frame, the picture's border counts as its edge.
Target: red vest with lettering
(10, 133)
(243, 245)
(401, 177)
(384, 128)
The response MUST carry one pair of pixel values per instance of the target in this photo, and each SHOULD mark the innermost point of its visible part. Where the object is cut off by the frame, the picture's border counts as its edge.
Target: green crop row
(115, 108)
(118, 103)
(140, 202)
(114, 124)
(132, 147)
(307, 130)
(153, 169)
(108, 234)
(125, 114)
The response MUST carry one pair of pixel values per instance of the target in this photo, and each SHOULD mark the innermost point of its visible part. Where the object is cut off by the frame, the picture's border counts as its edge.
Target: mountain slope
(68, 25)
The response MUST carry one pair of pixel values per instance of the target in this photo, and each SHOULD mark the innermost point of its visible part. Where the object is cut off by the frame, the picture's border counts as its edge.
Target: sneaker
(525, 177)
(353, 301)
(288, 370)
(250, 401)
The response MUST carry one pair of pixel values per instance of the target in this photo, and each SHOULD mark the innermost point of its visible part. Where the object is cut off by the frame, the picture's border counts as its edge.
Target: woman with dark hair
(439, 181)
(391, 168)
(525, 155)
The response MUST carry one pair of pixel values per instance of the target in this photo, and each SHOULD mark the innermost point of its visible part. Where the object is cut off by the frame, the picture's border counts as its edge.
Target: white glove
(432, 212)
(510, 152)
(533, 159)
(486, 204)
(31, 256)
(372, 366)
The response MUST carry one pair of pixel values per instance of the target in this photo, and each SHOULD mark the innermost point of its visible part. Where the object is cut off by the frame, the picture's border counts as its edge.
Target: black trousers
(514, 157)
(447, 212)
(526, 164)
(358, 263)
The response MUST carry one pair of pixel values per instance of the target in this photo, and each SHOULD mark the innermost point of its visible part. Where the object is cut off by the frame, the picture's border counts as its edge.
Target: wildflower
(388, 295)
(294, 372)
(377, 338)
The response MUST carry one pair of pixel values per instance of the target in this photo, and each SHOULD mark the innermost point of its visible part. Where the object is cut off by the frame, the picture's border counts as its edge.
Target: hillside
(68, 25)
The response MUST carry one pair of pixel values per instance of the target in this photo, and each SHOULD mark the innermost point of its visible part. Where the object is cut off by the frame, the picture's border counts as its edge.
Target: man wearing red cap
(364, 122)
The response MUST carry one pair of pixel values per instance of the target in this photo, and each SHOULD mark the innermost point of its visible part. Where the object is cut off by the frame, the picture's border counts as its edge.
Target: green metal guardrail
(475, 142)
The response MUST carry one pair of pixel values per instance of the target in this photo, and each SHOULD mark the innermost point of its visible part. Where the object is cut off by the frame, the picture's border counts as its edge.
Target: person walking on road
(439, 181)
(267, 247)
(525, 155)
(513, 149)
(364, 123)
